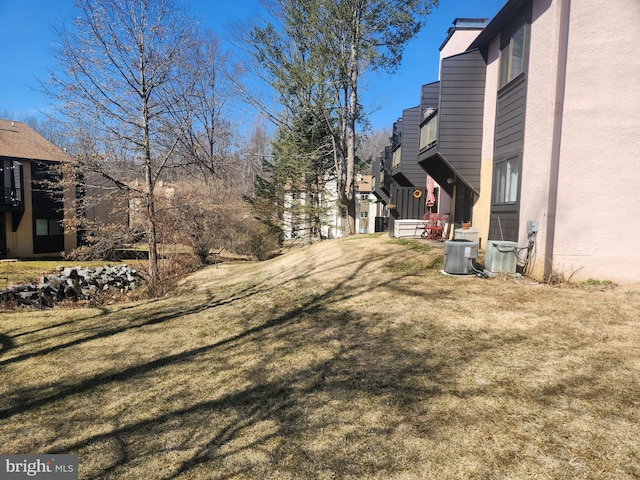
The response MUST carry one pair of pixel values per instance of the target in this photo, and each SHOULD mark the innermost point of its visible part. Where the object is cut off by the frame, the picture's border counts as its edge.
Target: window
(364, 214)
(506, 181)
(512, 57)
(48, 227)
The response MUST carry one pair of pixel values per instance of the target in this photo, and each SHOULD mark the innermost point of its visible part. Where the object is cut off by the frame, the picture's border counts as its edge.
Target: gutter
(556, 141)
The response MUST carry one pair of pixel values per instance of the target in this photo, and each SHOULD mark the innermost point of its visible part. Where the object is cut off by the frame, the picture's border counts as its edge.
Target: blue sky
(26, 37)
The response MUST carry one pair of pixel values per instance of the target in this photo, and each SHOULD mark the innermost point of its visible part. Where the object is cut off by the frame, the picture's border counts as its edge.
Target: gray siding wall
(509, 133)
(381, 190)
(409, 167)
(509, 137)
(460, 114)
(504, 226)
(408, 207)
(509, 141)
(430, 96)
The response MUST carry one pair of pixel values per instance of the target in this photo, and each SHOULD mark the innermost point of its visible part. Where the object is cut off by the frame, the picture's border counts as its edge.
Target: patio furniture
(435, 225)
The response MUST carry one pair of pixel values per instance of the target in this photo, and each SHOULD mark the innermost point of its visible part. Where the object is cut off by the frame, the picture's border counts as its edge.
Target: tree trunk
(352, 110)
(152, 240)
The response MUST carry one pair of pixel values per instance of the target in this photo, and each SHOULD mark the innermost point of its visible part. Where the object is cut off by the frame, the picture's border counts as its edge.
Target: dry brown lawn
(353, 358)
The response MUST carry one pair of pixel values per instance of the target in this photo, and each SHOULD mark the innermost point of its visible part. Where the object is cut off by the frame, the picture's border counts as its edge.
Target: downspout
(556, 141)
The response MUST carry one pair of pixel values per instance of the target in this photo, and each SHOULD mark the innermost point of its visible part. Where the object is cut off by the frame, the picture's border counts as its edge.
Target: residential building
(365, 205)
(381, 183)
(536, 134)
(451, 126)
(400, 183)
(305, 212)
(331, 214)
(31, 207)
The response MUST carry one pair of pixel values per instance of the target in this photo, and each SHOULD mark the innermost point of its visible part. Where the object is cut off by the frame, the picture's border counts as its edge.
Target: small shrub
(256, 239)
(101, 242)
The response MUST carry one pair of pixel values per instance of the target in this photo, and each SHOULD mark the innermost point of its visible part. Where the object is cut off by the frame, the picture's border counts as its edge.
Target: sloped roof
(365, 184)
(493, 27)
(18, 140)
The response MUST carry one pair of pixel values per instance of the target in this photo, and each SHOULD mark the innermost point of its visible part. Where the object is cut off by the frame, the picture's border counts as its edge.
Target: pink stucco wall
(539, 116)
(599, 174)
(596, 235)
(599, 169)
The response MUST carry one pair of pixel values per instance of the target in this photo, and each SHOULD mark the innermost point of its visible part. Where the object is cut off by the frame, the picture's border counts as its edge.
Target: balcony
(404, 156)
(11, 199)
(11, 186)
(451, 136)
(429, 131)
(396, 158)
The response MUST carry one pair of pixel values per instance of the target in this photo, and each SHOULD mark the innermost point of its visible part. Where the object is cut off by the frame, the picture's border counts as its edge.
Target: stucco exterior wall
(20, 243)
(598, 195)
(599, 172)
(538, 134)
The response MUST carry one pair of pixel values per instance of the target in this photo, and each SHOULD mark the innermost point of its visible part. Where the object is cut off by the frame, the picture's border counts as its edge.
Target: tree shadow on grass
(353, 413)
(138, 319)
(341, 392)
(31, 399)
(6, 343)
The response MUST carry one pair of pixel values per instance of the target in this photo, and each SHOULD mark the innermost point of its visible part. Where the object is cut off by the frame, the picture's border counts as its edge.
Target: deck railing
(10, 197)
(429, 132)
(395, 160)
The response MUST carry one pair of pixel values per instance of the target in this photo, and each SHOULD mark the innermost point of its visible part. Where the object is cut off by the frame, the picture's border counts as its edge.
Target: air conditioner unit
(458, 255)
(500, 256)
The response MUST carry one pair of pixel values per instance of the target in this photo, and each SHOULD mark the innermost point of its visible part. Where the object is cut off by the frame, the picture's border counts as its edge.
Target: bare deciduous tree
(201, 113)
(121, 70)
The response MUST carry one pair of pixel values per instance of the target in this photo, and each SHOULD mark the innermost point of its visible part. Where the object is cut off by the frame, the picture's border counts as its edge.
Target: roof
(18, 140)
(496, 23)
(364, 184)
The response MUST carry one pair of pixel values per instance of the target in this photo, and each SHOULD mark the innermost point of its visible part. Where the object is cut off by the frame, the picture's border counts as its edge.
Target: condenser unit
(458, 255)
(500, 256)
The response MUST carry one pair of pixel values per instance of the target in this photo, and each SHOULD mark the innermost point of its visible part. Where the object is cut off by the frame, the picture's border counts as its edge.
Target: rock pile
(72, 284)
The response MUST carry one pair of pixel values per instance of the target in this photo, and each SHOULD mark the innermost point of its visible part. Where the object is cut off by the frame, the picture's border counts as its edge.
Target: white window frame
(506, 181)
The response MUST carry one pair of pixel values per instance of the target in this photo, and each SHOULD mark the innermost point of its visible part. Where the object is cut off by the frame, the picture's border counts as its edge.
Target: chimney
(460, 35)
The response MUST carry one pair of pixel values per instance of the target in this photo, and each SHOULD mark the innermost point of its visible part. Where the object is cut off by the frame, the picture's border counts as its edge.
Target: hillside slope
(353, 358)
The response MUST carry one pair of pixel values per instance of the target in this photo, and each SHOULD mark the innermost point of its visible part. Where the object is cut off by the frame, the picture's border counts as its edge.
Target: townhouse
(31, 208)
(533, 130)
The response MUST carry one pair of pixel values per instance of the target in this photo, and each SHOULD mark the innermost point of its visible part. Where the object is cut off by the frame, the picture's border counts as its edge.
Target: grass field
(352, 358)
